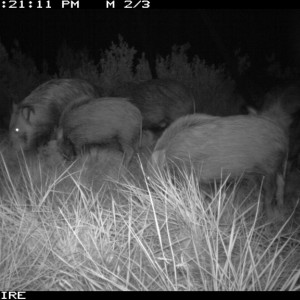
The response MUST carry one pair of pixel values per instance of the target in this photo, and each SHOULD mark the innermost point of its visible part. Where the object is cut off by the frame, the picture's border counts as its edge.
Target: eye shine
(34, 118)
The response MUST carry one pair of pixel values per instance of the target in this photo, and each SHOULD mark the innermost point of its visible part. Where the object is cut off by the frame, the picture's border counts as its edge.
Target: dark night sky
(257, 32)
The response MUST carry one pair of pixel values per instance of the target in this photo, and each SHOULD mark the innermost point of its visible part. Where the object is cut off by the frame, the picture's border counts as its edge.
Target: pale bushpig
(232, 146)
(108, 122)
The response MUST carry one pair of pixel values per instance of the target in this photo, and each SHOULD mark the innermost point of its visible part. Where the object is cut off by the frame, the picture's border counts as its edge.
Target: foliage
(117, 65)
(19, 74)
(214, 90)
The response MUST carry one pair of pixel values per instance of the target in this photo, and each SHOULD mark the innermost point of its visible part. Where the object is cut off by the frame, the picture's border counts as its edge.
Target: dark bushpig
(288, 96)
(228, 146)
(218, 97)
(5, 107)
(108, 122)
(34, 119)
(161, 101)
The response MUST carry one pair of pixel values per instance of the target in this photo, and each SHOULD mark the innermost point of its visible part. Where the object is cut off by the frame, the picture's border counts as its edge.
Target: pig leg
(280, 190)
(128, 153)
(270, 190)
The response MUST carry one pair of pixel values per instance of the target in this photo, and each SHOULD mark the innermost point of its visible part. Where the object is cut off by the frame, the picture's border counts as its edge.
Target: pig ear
(252, 111)
(14, 107)
(27, 113)
(159, 157)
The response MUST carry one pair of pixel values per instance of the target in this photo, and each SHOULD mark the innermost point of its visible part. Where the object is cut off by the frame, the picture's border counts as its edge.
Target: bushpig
(161, 101)
(288, 96)
(34, 119)
(108, 122)
(5, 106)
(227, 146)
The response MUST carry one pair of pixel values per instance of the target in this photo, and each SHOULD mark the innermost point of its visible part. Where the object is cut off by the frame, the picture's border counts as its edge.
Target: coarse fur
(34, 119)
(217, 147)
(289, 98)
(288, 95)
(283, 105)
(161, 101)
(108, 122)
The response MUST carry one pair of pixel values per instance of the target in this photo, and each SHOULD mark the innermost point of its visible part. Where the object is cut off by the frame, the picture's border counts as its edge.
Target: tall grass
(156, 234)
